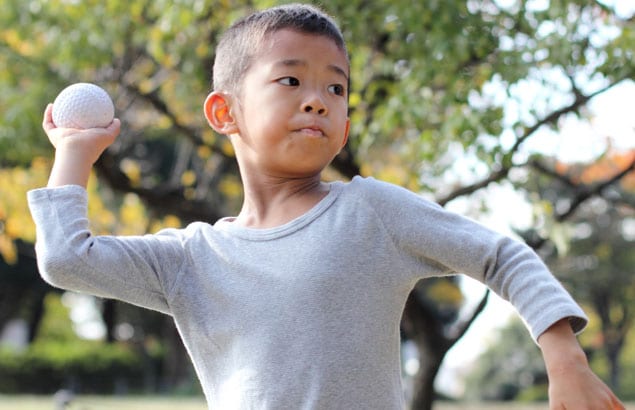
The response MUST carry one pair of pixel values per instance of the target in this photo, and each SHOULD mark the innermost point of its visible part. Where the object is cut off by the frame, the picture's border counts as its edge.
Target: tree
(22, 291)
(597, 261)
(591, 252)
(427, 85)
(509, 368)
(423, 48)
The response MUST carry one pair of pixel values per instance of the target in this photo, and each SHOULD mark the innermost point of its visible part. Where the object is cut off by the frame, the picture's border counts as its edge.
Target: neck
(271, 202)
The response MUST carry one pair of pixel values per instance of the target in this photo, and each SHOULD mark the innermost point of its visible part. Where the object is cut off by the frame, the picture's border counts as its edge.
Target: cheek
(265, 106)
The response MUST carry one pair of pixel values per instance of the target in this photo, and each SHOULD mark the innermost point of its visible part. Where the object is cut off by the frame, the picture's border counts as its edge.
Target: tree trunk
(421, 325)
(176, 363)
(36, 315)
(614, 334)
(613, 355)
(423, 386)
(108, 314)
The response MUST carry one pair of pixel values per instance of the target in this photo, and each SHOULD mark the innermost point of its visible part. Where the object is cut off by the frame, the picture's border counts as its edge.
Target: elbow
(60, 260)
(56, 271)
(53, 273)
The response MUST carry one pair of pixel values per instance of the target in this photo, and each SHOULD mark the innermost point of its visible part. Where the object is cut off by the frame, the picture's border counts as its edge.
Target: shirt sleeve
(434, 241)
(137, 269)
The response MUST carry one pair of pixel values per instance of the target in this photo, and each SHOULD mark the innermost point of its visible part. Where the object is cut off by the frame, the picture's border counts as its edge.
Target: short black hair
(244, 38)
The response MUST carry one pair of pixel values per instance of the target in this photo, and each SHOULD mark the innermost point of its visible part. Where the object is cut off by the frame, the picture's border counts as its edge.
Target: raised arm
(76, 150)
(135, 269)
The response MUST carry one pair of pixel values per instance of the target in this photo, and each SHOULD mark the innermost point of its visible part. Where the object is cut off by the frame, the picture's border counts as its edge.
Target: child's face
(291, 114)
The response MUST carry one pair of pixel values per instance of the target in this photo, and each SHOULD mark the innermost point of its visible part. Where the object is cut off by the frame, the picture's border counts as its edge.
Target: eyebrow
(292, 62)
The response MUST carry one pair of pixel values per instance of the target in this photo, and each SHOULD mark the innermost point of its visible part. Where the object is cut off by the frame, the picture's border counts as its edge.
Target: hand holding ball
(80, 125)
(83, 105)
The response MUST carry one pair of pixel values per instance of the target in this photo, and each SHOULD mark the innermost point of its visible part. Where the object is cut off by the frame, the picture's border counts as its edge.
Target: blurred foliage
(60, 358)
(15, 222)
(422, 81)
(436, 86)
(511, 368)
(592, 340)
(592, 253)
(599, 263)
(108, 212)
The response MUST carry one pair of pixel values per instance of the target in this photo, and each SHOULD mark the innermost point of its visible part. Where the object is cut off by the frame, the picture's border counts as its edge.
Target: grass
(103, 403)
(194, 403)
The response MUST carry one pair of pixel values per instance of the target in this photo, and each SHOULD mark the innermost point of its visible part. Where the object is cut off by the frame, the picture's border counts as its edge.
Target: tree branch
(462, 327)
(494, 176)
(505, 166)
(166, 198)
(582, 191)
(191, 133)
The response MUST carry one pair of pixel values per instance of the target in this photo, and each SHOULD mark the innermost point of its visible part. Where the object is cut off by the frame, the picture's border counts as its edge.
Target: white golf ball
(83, 105)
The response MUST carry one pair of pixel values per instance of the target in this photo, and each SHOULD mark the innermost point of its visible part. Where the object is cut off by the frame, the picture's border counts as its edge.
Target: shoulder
(383, 194)
(191, 233)
(369, 186)
(188, 231)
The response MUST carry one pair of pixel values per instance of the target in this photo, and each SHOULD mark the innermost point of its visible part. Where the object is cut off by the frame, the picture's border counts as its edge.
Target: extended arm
(513, 271)
(572, 384)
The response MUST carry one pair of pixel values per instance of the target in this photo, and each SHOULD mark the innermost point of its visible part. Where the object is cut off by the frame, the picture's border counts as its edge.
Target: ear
(218, 113)
(348, 128)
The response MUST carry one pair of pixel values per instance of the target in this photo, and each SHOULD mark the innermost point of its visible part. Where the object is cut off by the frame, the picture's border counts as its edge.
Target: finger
(113, 129)
(558, 406)
(114, 126)
(617, 405)
(47, 121)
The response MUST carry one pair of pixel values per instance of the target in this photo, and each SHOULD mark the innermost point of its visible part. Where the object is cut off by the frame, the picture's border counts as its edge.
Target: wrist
(69, 168)
(560, 349)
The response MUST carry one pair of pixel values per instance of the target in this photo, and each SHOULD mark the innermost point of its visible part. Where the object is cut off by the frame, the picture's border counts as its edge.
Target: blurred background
(517, 113)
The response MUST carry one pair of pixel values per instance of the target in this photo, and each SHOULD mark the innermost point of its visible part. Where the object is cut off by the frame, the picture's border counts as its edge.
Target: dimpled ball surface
(83, 105)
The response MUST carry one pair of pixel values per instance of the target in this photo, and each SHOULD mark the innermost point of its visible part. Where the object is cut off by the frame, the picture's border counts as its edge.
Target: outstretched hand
(76, 150)
(578, 388)
(572, 383)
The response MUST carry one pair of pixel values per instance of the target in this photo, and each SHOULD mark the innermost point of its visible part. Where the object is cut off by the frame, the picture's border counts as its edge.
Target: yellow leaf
(446, 292)
(202, 49)
(230, 187)
(354, 99)
(209, 137)
(13, 227)
(203, 151)
(8, 250)
(188, 178)
(164, 122)
(366, 169)
(227, 147)
(132, 170)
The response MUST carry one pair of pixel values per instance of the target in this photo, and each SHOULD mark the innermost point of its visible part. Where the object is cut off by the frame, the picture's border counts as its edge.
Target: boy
(295, 303)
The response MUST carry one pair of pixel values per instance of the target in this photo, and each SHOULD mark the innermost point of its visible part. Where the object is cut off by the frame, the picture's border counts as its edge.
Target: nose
(314, 104)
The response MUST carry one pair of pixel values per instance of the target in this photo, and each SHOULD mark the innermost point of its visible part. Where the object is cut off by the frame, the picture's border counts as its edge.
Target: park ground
(188, 403)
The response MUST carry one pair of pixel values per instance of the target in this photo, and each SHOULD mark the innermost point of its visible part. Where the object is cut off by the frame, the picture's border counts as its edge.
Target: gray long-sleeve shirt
(305, 315)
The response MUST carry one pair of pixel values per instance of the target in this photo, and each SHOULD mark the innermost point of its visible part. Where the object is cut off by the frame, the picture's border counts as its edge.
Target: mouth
(311, 131)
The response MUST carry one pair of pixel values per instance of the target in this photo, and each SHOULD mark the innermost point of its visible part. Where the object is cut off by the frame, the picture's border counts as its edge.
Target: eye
(290, 81)
(337, 89)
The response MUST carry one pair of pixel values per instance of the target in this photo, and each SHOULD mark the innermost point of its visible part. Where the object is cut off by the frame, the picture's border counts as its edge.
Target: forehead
(288, 45)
